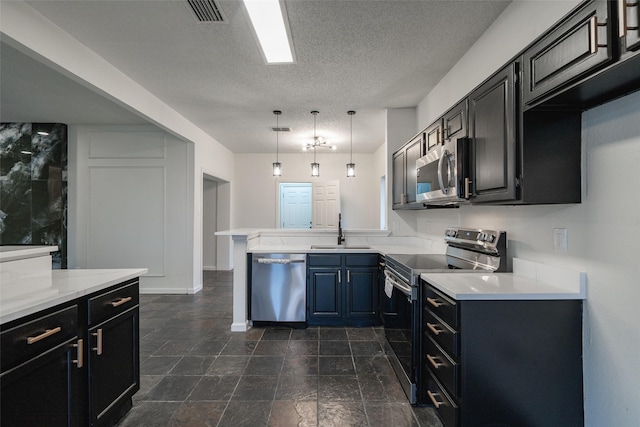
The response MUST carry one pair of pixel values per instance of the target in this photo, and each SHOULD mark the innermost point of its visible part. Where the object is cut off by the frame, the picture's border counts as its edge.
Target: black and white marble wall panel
(33, 186)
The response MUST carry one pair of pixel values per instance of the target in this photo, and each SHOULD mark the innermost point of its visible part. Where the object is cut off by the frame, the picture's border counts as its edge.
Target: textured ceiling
(363, 55)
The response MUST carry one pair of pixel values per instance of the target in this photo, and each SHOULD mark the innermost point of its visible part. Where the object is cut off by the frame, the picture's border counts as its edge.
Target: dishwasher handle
(278, 261)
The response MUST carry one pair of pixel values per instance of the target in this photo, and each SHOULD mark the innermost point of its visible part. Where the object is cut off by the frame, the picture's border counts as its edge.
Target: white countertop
(67, 285)
(529, 281)
(9, 253)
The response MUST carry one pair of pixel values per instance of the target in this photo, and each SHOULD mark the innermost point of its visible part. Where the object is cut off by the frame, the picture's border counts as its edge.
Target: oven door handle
(405, 289)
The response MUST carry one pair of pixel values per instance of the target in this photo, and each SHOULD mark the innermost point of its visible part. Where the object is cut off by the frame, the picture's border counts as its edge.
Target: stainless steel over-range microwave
(443, 173)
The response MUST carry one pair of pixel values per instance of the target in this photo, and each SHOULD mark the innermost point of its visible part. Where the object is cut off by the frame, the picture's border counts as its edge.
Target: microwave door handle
(440, 180)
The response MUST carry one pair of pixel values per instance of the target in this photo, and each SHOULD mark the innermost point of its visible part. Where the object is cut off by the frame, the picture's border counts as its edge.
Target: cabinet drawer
(442, 366)
(361, 260)
(114, 302)
(446, 408)
(28, 340)
(442, 305)
(442, 333)
(324, 260)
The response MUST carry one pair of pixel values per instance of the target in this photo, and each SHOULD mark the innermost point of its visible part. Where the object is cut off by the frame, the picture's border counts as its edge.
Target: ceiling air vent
(281, 129)
(206, 10)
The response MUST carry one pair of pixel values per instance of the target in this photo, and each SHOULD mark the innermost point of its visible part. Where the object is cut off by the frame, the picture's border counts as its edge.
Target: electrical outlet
(560, 238)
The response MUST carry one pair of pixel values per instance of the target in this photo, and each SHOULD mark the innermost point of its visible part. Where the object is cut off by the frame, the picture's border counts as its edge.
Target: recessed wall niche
(33, 186)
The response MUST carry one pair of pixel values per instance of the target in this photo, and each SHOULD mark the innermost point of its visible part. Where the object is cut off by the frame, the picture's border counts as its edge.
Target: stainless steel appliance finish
(443, 174)
(278, 287)
(468, 250)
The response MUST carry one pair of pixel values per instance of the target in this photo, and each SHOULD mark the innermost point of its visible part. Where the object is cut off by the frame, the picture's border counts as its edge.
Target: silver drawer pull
(45, 334)
(434, 362)
(434, 302)
(120, 301)
(433, 398)
(433, 328)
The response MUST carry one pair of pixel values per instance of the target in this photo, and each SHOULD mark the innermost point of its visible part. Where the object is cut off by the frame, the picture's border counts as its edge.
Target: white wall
(128, 204)
(610, 211)
(401, 126)
(209, 224)
(255, 188)
(31, 33)
(518, 25)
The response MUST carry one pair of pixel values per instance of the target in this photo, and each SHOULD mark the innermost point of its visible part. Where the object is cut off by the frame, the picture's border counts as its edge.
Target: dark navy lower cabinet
(76, 364)
(502, 362)
(342, 290)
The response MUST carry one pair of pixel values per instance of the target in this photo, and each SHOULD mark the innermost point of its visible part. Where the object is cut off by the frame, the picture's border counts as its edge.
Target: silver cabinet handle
(340, 276)
(120, 301)
(79, 360)
(433, 328)
(45, 334)
(622, 18)
(434, 362)
(348, 276)
(432, 396)
(434, 302)
(98, 347)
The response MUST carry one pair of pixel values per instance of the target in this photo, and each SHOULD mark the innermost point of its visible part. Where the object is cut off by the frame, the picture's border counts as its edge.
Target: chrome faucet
(341, 237)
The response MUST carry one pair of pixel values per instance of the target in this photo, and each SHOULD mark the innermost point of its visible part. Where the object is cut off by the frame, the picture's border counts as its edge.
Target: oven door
(443, 174)
(400, 315)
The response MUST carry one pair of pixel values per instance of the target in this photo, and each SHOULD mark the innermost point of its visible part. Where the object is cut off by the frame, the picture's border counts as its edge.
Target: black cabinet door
(455, 122)
(362, 296)
(433, 135)
(398, 180)
(576, 47)
(412, 153)
(44, 390)
(492, 130)
(324, 294)
(629, 16)
(113, 365)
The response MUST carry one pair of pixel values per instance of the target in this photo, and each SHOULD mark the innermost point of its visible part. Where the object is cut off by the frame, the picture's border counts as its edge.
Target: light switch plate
(560, 238)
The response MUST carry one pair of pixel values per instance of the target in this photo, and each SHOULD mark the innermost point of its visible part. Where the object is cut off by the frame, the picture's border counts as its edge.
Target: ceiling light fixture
(318, 142)
(277, 167)
(270, 26)
(351, 167)
(315, 167)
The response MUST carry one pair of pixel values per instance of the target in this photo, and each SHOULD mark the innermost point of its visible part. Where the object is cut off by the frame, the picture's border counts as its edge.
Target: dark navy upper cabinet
(493, 136)
(573, 50)
(629, 24)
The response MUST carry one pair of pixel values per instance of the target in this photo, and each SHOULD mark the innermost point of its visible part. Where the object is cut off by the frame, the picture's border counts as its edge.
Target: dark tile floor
(195, 372)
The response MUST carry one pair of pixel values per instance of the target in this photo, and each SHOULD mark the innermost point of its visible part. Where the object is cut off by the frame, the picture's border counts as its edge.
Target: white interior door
(326, 204)
(295, 205)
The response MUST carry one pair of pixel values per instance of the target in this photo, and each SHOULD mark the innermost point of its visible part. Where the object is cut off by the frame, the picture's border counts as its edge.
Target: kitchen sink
(336, 247)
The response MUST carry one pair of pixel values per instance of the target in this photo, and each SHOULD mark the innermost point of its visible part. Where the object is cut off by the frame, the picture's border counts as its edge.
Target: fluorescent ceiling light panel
(270, 26)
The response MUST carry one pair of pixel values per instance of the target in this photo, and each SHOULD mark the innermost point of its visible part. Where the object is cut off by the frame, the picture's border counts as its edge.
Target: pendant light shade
(315, 166)
(351, 167)
(277, 166)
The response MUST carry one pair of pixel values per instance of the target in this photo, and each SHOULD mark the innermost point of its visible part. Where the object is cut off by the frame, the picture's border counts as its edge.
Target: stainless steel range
(468, 250)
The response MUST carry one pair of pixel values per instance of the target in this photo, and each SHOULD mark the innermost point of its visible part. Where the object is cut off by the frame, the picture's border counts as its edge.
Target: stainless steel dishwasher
(278, 287)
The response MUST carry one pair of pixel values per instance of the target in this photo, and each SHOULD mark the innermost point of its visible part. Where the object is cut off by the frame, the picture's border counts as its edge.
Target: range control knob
(490, 238)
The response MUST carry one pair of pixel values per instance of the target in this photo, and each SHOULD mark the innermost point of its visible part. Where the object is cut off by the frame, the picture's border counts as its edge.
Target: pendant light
(351, 167)
(277, 166)
(315, 167)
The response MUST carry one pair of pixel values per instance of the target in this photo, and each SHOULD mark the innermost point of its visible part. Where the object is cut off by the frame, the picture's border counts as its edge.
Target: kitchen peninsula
(64, 334)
